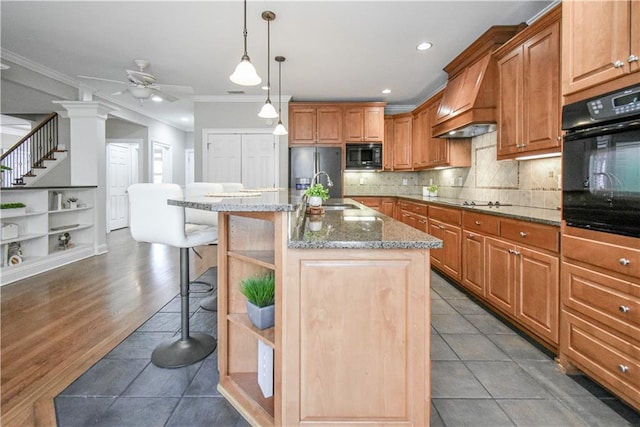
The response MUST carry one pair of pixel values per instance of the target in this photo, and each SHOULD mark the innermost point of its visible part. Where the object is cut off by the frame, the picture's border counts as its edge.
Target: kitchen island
(351, 338)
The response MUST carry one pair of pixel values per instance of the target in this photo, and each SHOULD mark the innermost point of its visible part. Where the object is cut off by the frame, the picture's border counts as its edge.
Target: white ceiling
(335, 50)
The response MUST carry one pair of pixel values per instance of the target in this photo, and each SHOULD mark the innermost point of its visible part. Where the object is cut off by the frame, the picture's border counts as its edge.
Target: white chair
(199, 216)
(153, 220)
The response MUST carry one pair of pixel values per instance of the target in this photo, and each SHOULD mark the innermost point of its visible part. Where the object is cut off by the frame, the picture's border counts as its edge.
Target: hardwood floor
(57, 324)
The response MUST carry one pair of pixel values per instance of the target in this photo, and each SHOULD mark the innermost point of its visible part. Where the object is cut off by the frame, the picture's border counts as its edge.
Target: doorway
(162, 164)
(122, 171)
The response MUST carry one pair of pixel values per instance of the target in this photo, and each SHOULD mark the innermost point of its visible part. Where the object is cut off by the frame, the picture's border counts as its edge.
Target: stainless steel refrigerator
(305, 162)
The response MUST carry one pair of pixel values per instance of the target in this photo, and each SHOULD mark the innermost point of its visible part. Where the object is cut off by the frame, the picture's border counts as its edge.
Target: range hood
(470, 99)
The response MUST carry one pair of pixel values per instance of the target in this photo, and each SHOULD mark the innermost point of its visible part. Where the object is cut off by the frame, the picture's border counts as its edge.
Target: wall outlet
(405, 181)
(361, 181)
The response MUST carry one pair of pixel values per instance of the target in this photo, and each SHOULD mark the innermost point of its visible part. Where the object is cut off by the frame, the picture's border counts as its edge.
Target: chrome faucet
(329, 182)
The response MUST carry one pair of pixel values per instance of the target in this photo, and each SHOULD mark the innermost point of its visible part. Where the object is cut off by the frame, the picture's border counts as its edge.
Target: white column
(87, 140)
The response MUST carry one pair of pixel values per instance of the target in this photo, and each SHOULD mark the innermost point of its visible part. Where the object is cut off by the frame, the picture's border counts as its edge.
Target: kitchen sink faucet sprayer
(329, 182)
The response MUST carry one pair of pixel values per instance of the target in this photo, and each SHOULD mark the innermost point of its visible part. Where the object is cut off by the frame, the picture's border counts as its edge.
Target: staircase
(33, 156)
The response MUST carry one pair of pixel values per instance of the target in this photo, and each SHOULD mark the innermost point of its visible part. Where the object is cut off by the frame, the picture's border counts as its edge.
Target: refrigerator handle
(316, 162)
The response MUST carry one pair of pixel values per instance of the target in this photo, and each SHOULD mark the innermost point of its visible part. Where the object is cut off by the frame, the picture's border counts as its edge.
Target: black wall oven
(601, 163)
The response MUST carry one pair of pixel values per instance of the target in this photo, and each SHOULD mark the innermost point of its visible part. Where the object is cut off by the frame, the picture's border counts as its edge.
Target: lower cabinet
(444, 223)
(524, 283)
(600, 327)
(384, 205)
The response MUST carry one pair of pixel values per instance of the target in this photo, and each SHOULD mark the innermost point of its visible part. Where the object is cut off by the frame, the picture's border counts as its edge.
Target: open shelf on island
(265, 335)
(262, 258)
(243, 389)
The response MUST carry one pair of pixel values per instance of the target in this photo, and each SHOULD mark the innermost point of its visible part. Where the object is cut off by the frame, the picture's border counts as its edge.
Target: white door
(259, 160)
(162, 163)
(189, 166)
(119, 175)
(224, 158)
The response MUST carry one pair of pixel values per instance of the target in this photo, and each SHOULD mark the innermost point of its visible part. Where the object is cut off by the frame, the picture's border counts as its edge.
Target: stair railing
(30, 152)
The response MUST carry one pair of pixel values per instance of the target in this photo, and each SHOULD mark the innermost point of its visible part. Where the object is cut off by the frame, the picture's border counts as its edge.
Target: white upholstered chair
(152, 220)
(199, 216)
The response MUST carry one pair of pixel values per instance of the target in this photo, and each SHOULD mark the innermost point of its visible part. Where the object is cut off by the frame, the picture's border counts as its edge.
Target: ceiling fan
(142, 85)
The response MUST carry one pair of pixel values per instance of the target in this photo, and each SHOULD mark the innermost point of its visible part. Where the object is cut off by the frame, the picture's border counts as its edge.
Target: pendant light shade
(280, 129)
(245, 73)
(268, 111)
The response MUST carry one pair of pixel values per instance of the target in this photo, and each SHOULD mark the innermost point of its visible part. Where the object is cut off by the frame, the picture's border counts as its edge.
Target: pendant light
(268, 111)
(245, 73)
(280, 129)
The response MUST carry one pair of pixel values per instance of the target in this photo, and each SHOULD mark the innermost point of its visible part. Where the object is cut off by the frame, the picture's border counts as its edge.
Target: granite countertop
(524, 213)
(356, 228)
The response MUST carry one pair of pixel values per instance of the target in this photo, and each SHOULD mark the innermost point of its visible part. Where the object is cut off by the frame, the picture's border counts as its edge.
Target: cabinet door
(510, 106)
(473, 262)
(437, 255)
(635, 40)
(387, 207)
(402, 134)
(387, 147)
(541, 91)
(595, 36)
(373, 124)
(452, 247)
(303, 125)
(538, 294)
(417, 141)
(500, 274)
(329, 125)
(354, 124)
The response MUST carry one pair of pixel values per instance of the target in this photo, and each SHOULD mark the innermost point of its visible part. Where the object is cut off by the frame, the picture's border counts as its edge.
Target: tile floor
(483, 374)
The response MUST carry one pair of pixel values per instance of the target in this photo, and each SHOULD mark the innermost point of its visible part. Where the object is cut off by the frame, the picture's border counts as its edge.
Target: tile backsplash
(525, 183)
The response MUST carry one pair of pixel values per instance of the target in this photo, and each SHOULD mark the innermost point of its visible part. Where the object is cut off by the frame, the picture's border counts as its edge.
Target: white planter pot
(315, 201)
(315, 225)
(12, 212)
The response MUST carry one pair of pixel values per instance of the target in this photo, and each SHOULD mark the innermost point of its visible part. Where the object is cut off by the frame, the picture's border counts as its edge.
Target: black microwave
(364, 157)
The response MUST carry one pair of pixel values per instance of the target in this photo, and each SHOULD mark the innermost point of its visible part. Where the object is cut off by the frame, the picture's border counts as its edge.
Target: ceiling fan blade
(187, 90)
(120, 92)
(167, 97)
(104, 80)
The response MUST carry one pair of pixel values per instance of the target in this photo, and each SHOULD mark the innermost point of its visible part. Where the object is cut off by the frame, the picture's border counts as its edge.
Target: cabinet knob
(618, 64)
(624, 309)
(514, 252)
(471, 235)
(624, 261)
(442, 227)
(559, 138)
(623, 368)
(478, 223)
(523, 234)
(632, 58)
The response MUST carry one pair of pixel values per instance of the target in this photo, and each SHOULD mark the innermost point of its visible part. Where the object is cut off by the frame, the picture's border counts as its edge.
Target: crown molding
(37, 68)
(237, 98)
(397, 109)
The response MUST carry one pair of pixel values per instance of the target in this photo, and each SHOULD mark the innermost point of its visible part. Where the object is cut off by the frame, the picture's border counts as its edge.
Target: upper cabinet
(529, 90)
(364, 123)
(402, 135)
(387, 147)
(600, 44)
(420, 138)
(315, 124)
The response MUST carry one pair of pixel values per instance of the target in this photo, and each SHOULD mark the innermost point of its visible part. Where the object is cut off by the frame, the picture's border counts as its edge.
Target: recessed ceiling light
(424, 46)
(386, 91)
(184, 119)
(265, 87)
(156, 98)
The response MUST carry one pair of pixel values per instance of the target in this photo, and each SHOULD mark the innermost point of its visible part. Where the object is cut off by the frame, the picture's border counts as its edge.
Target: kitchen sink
(339, 206)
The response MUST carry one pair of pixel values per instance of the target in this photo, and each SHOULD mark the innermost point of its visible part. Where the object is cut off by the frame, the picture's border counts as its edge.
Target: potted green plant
(433, 190)
(2, 169)
(316, 194)
(13, 209)
(260, 293)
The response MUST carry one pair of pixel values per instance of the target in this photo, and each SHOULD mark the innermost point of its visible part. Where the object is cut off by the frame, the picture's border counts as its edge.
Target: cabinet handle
(442, 227)
(624, 261)
(478, 223)
(624, 309)
(523, 234)
(623, 368)
(514, 252)
(632, 58)
(471, 235)
(618, 64)
(559, 138)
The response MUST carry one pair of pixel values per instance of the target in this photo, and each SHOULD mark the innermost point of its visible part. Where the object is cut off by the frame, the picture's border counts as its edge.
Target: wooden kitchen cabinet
(413, 214)
(315, 124)
(529, 90)
(476, 227)
(523, 281)
(387, 145)
(445, 224)
(420, 139)
(364, 123)
(402, 134)
(600, 45)
(384, 205)
(600, 296)
(444, 151)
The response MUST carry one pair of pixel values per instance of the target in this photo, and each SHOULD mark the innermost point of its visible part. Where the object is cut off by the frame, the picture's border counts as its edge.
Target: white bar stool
(152, 220)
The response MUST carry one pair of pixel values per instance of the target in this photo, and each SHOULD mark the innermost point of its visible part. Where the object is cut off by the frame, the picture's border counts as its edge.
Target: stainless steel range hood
(469, 103)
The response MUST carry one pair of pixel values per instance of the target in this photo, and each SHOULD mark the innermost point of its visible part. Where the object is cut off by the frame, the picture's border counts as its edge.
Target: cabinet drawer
(418, 208)
(526, 233)
(620, 259)
(606, 299)
(449, 216)
(609, 359)
(478, 222)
